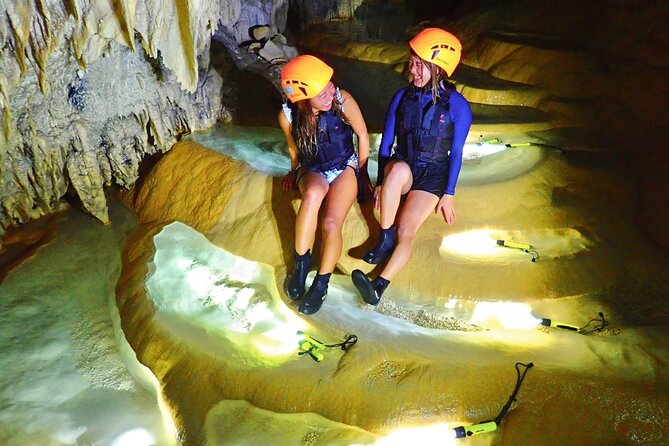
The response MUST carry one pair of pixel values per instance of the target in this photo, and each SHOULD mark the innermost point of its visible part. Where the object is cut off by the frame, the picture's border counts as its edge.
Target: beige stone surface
(585, 213)
(398, 376)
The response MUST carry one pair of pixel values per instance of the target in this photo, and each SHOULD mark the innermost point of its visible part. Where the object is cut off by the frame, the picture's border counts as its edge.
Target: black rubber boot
(316, 295)
(383, 248)
(295, 283)
(370, 290)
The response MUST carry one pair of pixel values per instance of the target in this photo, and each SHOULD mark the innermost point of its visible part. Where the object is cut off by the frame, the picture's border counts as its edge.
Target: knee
(406, 232)
(331, 225)
(398, 174)
(314, 195)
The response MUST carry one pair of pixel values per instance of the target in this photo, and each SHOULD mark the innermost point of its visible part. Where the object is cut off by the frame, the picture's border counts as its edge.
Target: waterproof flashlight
(539, 144)
(491, 425)
(551, 323)
(488, 141)
(522, 246)
(599, 325)
(475, 429)
(311, 346)
(512, 244)
(315, 348)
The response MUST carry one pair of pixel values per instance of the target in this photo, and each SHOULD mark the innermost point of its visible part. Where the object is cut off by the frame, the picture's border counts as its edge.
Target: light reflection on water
(202, 291)
(264, 149)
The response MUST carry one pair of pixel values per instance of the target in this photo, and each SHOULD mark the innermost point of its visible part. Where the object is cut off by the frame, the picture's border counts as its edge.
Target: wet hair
(306, 126)
(438, 77)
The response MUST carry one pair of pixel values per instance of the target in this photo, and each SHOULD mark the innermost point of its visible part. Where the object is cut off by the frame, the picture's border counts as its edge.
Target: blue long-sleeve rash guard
(461, 117)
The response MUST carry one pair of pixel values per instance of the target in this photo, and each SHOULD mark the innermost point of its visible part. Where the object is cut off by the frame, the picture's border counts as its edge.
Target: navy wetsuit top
(461, 117)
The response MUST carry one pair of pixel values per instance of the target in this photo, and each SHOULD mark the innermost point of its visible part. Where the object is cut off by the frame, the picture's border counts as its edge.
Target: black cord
(603, 323)
(512, 398)
(533, 253)
(347, 344)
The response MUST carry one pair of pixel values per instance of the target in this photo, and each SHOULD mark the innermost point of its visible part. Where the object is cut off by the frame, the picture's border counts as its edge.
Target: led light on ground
(473, 151)
(479, 242)
(482, 244)
(511, 315)
(437, 434)
(451, 304)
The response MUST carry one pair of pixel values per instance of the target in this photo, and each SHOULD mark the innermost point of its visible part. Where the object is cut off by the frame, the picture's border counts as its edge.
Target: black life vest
(424, 134)
(335, 141)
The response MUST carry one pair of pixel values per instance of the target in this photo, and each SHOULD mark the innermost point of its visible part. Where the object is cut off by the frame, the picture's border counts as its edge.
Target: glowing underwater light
(483, 242)
(452, 303)
(437, 434)
(478, 242)
(280, 340)
(473, 151)
(135, 437)
(511, 315)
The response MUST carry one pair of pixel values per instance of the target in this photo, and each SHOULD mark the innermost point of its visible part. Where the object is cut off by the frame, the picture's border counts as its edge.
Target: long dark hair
(306, 125)
(438, 77)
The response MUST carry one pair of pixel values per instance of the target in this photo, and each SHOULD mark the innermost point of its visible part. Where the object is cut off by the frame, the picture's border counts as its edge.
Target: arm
(354, 117)
(289, 180)
(388, 137)
(461, 116)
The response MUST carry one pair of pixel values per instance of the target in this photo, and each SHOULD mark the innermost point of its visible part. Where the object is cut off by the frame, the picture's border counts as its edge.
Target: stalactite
(125, 12)
(16, 38)
(72, 8)
(6, 122)
(61, 60)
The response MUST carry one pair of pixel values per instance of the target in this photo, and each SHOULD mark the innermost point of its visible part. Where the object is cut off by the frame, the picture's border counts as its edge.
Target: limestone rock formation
(408, 368)
(583, 64)
(310, 11)
(89, 88)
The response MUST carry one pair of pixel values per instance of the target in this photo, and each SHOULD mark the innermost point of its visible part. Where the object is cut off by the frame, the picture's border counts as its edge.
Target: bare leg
(417, 208)
(340, 198)
(313, 188)
(397, 183)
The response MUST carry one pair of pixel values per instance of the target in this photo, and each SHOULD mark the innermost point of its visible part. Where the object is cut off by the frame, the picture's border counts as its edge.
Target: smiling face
(323, 101)
(420, 72)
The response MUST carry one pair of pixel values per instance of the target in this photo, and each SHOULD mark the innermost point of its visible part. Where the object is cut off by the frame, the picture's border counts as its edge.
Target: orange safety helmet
(439, 47)
(305, 77)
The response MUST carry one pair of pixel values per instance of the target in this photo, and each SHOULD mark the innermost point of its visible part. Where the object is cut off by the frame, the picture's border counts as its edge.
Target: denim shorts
(332, 174)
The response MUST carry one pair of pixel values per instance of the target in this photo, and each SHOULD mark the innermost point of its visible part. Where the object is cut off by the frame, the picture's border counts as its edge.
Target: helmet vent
(294, 81)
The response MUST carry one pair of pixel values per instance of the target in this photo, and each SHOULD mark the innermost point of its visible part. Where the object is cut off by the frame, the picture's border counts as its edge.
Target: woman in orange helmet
(319, 126)
(430, 121)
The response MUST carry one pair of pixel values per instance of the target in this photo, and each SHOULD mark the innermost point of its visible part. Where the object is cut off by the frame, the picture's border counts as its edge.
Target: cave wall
(600, 66)
(621, 87)
(89, 88)
(317, 11)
